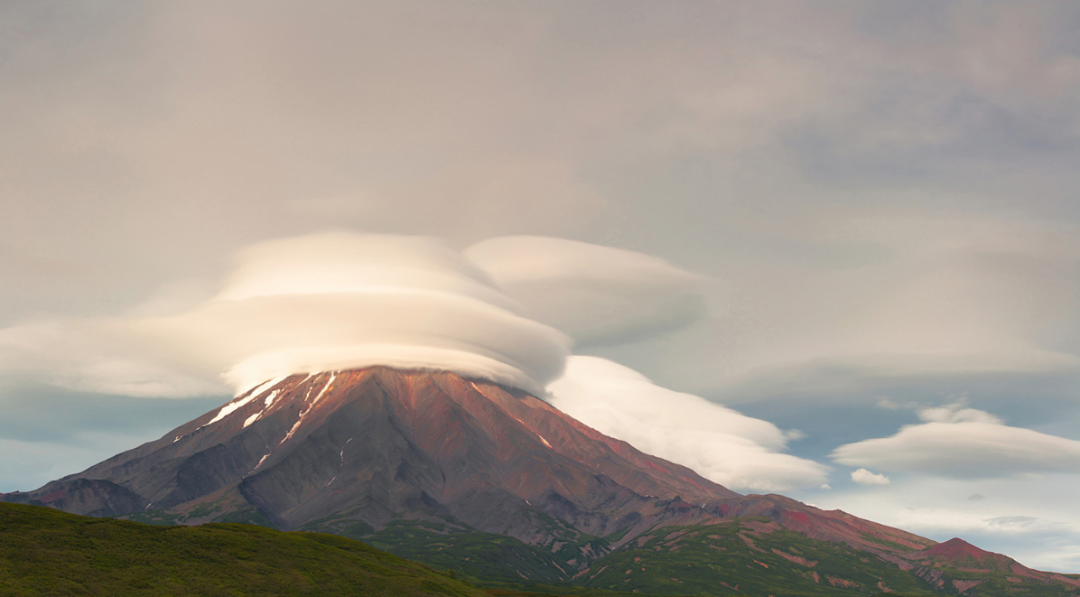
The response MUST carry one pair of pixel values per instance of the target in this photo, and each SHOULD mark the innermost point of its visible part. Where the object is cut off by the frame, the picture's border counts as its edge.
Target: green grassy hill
(745, 557)
(47, 552)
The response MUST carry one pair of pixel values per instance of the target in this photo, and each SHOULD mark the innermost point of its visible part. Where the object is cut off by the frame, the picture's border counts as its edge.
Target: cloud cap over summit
(339, 300)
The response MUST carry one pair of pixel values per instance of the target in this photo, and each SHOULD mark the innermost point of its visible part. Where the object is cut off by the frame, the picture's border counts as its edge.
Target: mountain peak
(372, 444)
(439, 459)
(962, 555)
(957, 548)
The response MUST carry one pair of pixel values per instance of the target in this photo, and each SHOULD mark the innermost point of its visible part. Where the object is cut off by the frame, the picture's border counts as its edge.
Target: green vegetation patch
(886, 543)
(482, 557)
(47, 552)
(156, 517)
(740, 559)
(249, 515)
(980, 582)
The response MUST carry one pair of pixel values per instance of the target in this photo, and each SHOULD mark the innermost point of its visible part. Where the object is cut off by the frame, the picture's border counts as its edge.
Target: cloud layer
(89, 355)
(598, 295)
(337, 300)
(732, 449)
(964, 443)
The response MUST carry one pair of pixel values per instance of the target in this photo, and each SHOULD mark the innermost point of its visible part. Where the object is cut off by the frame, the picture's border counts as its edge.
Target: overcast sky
(849, 230)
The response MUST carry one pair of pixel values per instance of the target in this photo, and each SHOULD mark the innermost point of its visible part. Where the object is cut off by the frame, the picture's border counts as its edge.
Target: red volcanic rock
(957, 548)
(826, 525)
(374, 444)
(960, 554)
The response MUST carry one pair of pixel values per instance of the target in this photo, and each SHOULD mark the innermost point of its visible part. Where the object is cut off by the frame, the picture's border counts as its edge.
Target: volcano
(382, 444)
(449, 470)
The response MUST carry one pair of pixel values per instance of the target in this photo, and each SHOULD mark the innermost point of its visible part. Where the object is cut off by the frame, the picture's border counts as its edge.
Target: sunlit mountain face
(435, 466)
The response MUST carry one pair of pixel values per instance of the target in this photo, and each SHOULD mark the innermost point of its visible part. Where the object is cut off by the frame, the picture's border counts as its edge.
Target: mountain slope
(958, 565)
(488, 480)
(46, 552)
(375, 444)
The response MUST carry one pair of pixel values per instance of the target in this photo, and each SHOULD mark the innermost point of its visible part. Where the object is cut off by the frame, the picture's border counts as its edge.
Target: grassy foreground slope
(47, 552)
(485, 559)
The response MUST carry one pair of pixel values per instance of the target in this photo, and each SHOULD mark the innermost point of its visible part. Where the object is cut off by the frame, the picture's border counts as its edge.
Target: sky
(828, 249)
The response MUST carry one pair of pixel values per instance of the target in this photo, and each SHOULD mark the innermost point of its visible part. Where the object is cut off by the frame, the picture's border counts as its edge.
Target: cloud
(338, 300)
(596, 294)
(586, 127)
(349, 263)
(87, 355)
(963, 442)
(1012, 523)
(865, 477)
(957, 413)
(730, 448)
(939, 298)
(312, 303)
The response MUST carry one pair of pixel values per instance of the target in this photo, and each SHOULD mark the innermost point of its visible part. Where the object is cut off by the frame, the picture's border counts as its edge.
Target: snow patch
(261, 460)
(270, 398)
(236, 404)
(343, 451)
(295, 426)
(308, 409)
(229, 409)
(333, 376)
(342, 462)
(252, 419)
(259, 389)
(527, 427)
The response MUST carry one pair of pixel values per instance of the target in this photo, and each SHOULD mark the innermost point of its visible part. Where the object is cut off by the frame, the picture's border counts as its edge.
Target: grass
(484, 558)
(732, 559)
(47, 552)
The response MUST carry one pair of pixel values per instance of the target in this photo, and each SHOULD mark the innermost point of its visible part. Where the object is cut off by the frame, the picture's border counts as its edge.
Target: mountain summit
(445, 469)
(379, 444)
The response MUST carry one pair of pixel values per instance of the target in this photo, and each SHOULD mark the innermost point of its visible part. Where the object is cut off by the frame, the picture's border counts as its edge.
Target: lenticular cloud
(598, 295)
(959, 442)
(338, 300)
(501, 311)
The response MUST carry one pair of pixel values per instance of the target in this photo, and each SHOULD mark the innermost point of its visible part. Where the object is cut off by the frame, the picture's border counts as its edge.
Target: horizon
(827, 251)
